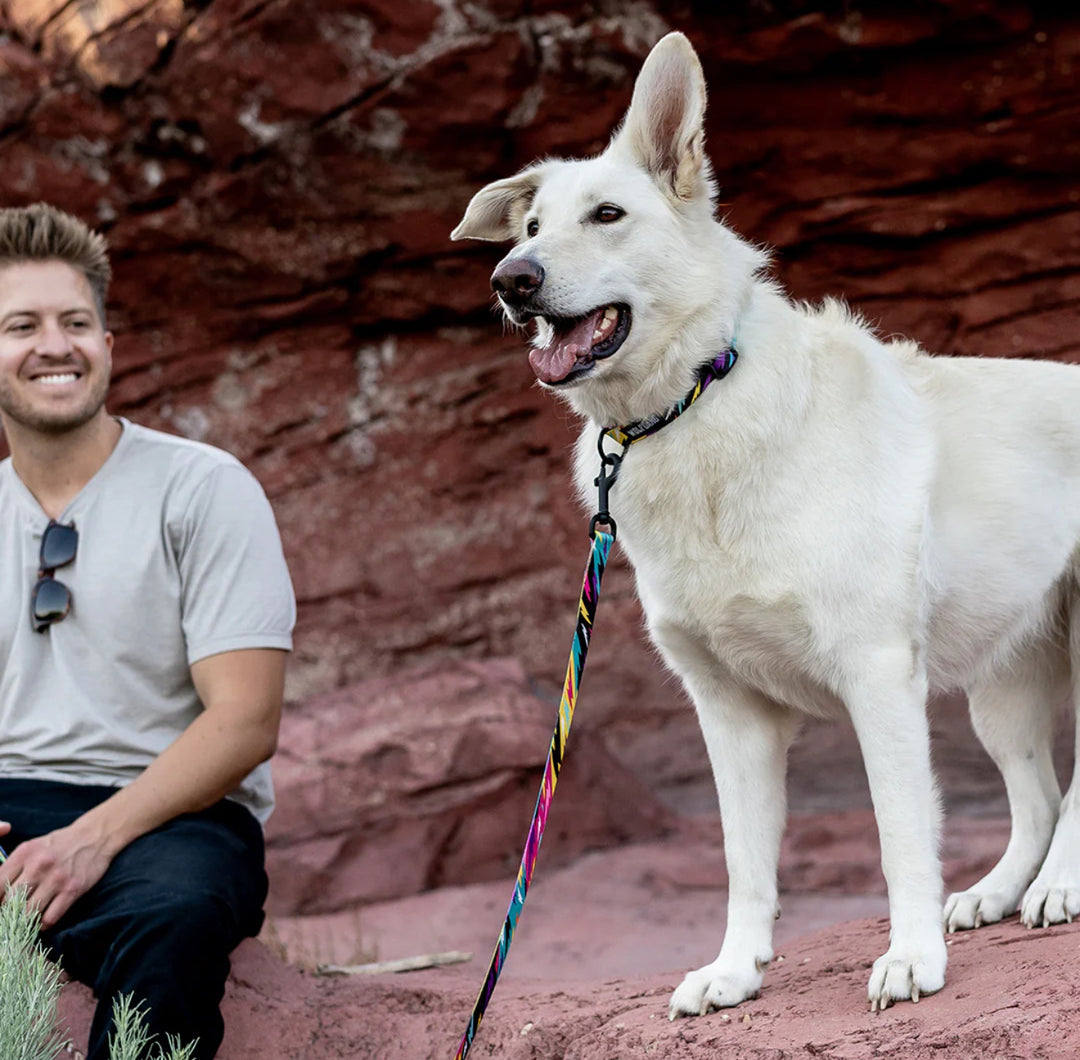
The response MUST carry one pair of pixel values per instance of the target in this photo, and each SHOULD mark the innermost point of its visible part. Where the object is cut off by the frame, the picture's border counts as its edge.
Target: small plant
(30, 986)
(130, 1040)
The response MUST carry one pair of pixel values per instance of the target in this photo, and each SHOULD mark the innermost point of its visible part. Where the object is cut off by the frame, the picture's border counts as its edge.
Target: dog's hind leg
(1014, 718)
(1054, 895)
(747, 737)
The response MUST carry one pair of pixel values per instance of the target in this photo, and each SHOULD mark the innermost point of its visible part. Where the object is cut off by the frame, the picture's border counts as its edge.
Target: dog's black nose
(517, 280)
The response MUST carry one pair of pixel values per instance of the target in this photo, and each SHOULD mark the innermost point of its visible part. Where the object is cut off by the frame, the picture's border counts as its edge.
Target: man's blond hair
(43, 233)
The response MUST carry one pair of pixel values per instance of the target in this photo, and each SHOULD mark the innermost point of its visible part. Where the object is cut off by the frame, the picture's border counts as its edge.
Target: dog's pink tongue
(555, 362)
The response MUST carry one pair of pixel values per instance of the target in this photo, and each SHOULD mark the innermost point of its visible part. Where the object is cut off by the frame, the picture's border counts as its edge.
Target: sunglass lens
(51, 601)
(58, 545)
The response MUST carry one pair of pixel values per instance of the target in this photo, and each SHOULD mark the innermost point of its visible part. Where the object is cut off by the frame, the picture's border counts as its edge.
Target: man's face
(55, 354)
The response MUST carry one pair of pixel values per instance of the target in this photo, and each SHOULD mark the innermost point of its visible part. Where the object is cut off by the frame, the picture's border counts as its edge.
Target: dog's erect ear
(496, 210)
(664, 127)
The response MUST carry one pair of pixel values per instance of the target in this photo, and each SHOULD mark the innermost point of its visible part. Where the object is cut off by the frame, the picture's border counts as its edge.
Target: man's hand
(55, 869)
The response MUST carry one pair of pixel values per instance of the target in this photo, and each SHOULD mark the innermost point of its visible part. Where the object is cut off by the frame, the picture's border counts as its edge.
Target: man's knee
(177, 933)
(184, 922)
(195, 871)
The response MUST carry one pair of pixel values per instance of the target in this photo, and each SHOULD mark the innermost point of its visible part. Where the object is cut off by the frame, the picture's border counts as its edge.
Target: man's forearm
(205, 763)
(242, 691)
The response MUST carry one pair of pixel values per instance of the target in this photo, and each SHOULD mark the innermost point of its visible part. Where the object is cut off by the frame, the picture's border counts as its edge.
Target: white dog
(839, 524)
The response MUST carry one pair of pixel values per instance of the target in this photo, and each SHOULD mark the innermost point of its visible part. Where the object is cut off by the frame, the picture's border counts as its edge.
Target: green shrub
(30, 986)
(130, 1039)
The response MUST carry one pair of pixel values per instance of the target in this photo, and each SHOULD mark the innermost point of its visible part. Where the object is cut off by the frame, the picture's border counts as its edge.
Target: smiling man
(143, 632)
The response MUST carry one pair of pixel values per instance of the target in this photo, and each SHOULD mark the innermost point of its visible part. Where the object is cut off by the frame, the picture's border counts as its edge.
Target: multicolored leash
(602, 541)
(590, 593)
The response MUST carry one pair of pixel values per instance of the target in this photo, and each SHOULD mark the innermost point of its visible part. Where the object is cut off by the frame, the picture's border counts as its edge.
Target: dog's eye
(607, 212)
(532, 228)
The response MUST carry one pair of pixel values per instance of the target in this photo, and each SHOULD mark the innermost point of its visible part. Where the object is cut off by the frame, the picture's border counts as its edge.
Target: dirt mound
(1012, 992)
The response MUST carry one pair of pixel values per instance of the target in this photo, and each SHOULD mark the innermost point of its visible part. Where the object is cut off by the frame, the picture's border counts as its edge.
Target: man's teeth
(63, 377)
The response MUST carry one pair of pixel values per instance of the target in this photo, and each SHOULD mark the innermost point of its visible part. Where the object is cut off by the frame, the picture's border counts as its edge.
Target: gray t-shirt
(179, 558)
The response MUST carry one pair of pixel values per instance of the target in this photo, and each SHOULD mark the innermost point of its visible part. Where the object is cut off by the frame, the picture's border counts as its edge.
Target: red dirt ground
(604, 941)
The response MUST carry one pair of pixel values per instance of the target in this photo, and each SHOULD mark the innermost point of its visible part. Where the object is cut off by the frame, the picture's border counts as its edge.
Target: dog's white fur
(840, 524)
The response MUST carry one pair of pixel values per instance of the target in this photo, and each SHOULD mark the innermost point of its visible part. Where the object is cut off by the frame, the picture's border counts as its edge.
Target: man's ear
(496, 210)
(664, 127)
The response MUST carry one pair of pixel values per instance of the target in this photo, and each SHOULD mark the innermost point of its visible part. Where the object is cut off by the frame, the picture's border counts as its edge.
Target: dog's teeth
(596, 334)
(610, 313)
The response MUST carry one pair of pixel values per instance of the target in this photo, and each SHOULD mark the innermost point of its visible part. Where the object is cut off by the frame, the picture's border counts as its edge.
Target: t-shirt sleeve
(235, 586)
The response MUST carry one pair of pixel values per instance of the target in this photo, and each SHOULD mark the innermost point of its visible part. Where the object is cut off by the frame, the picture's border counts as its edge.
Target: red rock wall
(278, 180)
(406, 783)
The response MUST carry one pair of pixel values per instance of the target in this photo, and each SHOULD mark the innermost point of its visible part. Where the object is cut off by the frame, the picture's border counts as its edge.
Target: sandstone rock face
(278, 181)
(394, 786)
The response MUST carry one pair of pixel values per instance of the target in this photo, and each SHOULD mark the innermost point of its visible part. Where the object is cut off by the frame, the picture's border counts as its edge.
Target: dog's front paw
(907, 972)
(717, 985)
(972, 909)
(1050, 901)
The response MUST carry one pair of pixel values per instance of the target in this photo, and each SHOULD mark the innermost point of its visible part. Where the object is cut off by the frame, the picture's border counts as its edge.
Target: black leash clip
(604, 481)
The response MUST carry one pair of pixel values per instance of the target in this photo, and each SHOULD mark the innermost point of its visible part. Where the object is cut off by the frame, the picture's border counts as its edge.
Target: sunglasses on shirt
(50, 601)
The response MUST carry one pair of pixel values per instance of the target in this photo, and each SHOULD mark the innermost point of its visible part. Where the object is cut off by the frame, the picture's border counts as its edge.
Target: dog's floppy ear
(664, 127)
(495, 210)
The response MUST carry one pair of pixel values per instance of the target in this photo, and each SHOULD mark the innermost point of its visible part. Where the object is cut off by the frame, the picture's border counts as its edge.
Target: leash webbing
(590, 594)
(715, 369)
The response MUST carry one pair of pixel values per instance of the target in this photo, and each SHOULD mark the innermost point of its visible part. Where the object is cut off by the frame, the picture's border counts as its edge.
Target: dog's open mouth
(577, 343)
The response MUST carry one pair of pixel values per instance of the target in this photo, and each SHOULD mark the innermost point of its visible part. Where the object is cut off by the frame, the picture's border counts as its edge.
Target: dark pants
(161, 923)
